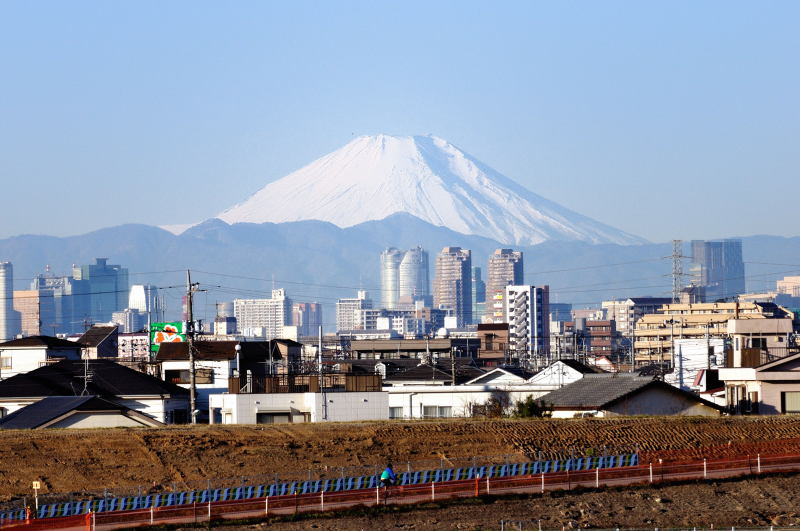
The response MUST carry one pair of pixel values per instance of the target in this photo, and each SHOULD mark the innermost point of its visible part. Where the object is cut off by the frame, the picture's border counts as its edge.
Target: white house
(277, 408)
(23, 355)
(222, 365)
(561, 373)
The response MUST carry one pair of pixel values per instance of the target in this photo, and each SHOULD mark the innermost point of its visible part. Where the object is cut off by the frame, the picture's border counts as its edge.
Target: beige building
(28, 304)
(789, 286)
(762, 326)
(453, 285)
(505, 269)
(625, 313)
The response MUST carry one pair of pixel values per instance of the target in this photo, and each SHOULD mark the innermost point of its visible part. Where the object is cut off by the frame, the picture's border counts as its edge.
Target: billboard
(166, 333)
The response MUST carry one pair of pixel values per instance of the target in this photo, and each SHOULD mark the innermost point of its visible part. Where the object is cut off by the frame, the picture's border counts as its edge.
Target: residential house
(769, 389)
(100, 341)
(76, 412)
(610, 395)
(23, 355)
(162, 401)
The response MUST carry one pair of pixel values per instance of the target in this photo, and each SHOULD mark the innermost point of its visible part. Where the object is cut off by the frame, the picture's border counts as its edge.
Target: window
(273, 418)
(790, 402)
(177, 376)
(204, 376)
(434, 412)
(395, 412)
(5, 363)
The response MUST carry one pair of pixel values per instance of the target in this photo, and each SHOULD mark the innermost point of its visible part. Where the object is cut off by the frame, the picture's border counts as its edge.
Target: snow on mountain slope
(373, 177)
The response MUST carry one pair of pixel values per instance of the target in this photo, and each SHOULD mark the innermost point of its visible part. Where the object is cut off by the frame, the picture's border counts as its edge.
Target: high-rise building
(390, 277)
(348, 311)
(413, 276)
(145, 299)
(307, 317)
(130, 320)
(404, 277)
(528, 313)
(267, 315)
(64, 304)
(9, 318)
(718, 267)
(29, 305)
(505, 269)
(478, 295)
(453, 284)
(108, 287)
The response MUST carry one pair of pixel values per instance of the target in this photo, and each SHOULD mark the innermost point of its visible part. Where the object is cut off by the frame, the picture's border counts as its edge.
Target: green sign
(166, 333)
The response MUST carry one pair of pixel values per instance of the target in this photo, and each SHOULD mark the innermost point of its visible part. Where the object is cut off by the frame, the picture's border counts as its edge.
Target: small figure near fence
(388, 477)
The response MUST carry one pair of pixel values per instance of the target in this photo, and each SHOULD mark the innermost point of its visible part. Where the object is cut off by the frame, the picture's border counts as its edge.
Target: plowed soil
(181, 457)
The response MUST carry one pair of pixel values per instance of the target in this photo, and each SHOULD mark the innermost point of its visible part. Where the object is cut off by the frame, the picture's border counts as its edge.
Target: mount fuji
(374, 177)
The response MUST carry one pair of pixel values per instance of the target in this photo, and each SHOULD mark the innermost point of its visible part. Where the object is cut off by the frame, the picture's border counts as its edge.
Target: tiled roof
(596, 391)
(581, 367)
(41, 341)
(52, 407)
(96, 334)
(66, 378)
(218, 350)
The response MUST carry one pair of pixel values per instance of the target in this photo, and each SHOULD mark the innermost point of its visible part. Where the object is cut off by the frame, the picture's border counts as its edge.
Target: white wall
(460, 398)
(341, 407)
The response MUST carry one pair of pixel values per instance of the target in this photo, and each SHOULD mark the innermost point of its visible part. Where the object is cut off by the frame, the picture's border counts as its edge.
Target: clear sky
(665, 119)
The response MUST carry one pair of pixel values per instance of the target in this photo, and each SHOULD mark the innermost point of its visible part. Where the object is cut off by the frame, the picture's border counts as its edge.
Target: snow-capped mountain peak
(373, 177)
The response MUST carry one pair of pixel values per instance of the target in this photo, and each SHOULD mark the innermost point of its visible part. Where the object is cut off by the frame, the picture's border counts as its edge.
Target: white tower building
(528, 309)
(10, 320)
(390, 277)
(413, 275)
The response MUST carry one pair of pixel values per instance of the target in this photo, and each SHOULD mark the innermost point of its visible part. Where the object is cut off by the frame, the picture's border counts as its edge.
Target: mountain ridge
(373, 177)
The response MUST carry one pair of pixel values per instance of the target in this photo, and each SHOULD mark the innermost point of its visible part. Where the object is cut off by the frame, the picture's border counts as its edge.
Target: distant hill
(317, 261)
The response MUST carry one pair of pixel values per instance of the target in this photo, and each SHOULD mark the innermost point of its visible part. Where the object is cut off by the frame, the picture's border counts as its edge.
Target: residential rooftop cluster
(89, 350)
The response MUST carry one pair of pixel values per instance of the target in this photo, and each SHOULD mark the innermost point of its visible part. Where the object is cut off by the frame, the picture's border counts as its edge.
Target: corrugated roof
(65, 378)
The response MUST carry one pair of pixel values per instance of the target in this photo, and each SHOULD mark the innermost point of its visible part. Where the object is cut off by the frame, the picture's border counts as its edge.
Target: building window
(395, 412)
(5, 363)
(790, 402)
(435, 412)
(273, 418)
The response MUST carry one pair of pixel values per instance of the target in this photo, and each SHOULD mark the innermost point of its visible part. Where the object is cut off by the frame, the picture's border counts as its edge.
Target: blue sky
(665, 119)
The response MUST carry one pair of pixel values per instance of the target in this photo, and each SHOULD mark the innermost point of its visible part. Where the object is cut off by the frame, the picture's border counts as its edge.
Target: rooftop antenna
(87, 377)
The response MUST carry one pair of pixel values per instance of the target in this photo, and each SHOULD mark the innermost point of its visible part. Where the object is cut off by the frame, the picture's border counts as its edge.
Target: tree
(530, 407)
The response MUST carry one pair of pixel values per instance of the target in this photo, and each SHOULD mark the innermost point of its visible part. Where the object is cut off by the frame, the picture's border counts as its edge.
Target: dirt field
(770, 501)
(78, 460)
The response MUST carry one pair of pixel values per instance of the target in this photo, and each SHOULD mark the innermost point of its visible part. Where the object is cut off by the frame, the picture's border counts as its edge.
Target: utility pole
(190, 289)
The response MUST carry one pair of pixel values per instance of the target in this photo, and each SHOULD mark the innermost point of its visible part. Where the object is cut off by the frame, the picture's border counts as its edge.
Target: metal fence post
(322, 500)
(151, 514)
(542, 483)
(597, 478)
(487, 483)
(433, 490)
(651, 472)
(758, 458)
(705, 468)
(377, 495)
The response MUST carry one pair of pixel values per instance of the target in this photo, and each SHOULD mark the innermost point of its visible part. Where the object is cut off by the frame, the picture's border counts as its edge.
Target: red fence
(412, 494)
